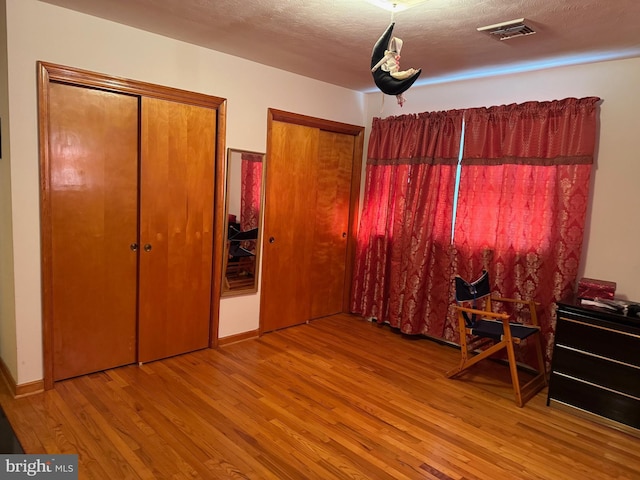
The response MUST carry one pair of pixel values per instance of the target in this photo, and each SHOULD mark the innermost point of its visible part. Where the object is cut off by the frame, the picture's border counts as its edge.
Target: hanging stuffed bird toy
(385, 66)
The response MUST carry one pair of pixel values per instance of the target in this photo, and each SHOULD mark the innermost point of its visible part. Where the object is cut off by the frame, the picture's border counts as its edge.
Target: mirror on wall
(244, 200)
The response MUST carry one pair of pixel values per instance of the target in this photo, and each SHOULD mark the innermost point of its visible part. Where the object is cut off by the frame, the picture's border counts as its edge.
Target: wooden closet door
(289, 225)
(331, 213)
(93, 180)
(176, 227)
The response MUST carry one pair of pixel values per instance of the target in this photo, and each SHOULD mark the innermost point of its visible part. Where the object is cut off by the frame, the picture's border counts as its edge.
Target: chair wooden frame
(470, 353)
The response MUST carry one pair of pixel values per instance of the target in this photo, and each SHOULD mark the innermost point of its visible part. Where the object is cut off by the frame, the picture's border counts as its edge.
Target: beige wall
(613, 230)
(39, 31)
(7, 304)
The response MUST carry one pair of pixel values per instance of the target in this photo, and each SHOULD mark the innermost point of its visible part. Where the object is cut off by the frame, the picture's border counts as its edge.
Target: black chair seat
(246, 235)
(494, 329)
(237, 251)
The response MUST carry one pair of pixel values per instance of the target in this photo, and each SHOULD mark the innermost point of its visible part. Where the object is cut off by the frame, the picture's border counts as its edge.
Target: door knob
(344, 234)
(272, 239)
(147, 247)
(134, 247)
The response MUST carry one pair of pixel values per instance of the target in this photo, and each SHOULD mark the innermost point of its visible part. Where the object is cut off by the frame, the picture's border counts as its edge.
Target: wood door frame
(49, 72)
(356, 174)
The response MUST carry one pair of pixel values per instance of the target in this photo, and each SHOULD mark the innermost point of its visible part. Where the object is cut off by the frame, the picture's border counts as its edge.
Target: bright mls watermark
(51, 467)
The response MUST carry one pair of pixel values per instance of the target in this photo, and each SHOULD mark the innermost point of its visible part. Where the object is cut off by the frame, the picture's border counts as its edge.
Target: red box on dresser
(591, 288)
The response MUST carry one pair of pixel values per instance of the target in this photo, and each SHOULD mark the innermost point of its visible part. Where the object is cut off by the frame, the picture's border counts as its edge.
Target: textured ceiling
(331, 40)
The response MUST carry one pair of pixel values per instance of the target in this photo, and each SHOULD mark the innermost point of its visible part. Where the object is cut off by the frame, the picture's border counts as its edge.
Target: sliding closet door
(176, 227)
(312, 183)
(93, 180)
(289, 225)
(331, 214)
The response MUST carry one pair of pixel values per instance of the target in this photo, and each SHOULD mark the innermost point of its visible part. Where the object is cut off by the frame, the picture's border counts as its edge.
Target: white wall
(611, 249)
(234, 184)
(39, 31)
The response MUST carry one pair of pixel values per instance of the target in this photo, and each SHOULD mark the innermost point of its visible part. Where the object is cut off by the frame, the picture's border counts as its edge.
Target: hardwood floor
(338, 398)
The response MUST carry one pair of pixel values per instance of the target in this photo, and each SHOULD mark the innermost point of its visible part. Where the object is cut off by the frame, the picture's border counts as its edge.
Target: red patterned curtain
(402, 271)
(251, 173)
(523, 194)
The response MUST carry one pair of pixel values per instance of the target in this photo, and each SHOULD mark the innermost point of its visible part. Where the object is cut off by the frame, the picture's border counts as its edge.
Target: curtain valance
(558, 132)
(409, 139)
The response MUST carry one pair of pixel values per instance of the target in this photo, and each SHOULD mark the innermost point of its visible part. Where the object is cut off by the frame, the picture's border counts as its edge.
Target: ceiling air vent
(507, 30)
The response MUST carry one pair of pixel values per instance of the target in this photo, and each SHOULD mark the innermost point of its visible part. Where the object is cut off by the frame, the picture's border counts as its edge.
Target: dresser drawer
(601, 371)
(621, 346)
(602, 402)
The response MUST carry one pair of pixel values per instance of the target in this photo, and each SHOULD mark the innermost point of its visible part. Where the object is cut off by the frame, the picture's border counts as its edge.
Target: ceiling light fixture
(395, 5)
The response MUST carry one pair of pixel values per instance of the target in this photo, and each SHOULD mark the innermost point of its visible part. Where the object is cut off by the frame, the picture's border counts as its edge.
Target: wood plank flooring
(339, 398)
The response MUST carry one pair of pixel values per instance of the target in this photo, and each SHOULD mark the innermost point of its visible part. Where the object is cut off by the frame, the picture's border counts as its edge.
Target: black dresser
(595, 368)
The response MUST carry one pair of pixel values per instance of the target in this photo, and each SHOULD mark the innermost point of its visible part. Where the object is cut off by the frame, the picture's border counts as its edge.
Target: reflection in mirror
(244, 191)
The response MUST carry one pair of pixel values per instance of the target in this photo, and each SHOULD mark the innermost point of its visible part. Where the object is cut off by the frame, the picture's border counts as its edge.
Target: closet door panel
(176, 227)
(290, 197)
(328, 262)
(93, 163)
